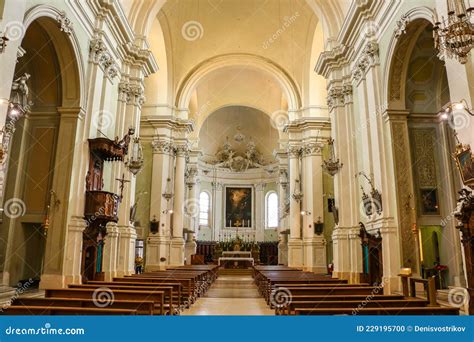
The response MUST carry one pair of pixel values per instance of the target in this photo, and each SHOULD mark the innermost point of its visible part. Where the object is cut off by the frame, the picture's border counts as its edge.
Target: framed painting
(238, 207)
(465, 166)
(429, 201)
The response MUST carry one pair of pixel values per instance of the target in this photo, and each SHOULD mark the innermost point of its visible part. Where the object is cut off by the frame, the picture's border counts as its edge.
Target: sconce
(375, 202)
(154, 225)
(297, 194)
(305, 213)
(318, 226)
(167, 211)
(3, 42)
(135, 161)
(332, 165)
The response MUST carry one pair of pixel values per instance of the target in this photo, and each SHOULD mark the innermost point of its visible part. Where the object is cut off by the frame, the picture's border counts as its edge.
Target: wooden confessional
(101, 207)
(465, 215)
(372, 265)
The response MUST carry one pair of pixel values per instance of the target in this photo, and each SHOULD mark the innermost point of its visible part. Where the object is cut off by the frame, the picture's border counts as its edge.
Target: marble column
(217, 206)
(314, 245)
(192, 212)
(295, 244)
(110, 256)
(177, 241)
(158, 244)
(259, 212)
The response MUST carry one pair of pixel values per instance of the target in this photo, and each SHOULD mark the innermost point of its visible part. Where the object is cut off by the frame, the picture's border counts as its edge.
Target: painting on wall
(238, 207)
(429, 201)
(465, 165)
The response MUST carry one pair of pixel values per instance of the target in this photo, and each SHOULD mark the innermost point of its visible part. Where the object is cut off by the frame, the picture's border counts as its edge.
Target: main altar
(237, 253)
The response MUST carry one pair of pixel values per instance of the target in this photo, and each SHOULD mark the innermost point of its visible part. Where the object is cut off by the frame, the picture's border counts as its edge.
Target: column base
(177, 252)
(126, 251)
(295, 253)
(157, 253)
(55, 281)
(189, 250)
(283, 253)
(315, 255)
(351, 277)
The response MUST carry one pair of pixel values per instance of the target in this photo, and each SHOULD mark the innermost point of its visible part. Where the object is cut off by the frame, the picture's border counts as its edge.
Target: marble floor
(231, 295)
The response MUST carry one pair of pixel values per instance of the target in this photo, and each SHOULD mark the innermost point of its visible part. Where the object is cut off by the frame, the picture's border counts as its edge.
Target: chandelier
(135, 161)
(454, 37)
(332, 165)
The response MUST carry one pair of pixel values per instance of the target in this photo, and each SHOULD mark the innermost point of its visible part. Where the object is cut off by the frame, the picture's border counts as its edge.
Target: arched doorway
(421, 144)
(39, 164)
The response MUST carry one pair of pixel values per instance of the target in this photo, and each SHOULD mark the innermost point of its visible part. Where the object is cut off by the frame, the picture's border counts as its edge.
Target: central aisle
(231, 295)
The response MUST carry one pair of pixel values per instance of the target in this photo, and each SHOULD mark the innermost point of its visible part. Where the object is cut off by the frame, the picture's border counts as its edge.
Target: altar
(236, 259)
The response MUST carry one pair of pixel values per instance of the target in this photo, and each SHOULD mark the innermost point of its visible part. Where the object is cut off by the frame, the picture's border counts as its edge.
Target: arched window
(271, 210)
(204, 208)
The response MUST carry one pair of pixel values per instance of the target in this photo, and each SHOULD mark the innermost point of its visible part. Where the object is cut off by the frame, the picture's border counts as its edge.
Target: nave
(211, 290)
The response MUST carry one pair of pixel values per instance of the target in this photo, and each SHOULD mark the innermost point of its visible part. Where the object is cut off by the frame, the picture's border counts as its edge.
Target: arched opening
(39, 165)
(422, 143)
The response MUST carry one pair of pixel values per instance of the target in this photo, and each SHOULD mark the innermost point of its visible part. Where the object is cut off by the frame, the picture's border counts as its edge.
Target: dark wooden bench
(141, 307)
(58, 310)
(379, 311)
(85, 293)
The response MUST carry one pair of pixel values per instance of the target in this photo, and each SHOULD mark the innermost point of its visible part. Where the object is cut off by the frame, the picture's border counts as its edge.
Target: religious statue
(20, 92)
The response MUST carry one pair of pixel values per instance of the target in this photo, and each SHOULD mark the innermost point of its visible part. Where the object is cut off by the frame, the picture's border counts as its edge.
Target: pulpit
(101, 207)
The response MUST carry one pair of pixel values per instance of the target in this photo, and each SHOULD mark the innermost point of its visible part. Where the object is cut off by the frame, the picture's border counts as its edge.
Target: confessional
(372, 265)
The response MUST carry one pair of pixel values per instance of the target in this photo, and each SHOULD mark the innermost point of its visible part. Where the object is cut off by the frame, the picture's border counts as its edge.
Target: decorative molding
(99, 54)
(294, 151)
(162, 146)
(65, 24)
(312, 149)
(402, 25)
(368, 58)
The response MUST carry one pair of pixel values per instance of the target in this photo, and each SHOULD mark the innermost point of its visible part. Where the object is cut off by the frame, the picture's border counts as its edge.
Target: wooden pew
(141, 307)
(85, 293)
(379, 311)
(58, 310)
(186, 290)
(329, 302)
(168, 292)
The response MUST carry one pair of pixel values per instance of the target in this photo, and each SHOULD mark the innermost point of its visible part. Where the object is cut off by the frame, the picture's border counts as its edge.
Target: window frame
(209, 210)
(267, 211)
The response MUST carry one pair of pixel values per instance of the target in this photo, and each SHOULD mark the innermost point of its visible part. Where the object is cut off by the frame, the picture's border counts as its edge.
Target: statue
(20, 92)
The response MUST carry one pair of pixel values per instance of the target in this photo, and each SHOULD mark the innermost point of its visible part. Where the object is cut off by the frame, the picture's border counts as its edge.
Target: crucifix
(122, 184)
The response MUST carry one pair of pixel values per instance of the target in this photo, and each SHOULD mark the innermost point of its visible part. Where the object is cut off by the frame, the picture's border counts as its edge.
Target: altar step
(235, 271)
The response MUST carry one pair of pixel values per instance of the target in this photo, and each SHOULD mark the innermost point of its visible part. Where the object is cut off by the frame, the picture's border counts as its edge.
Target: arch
(68, 50)
(395, 68)
(192, 79)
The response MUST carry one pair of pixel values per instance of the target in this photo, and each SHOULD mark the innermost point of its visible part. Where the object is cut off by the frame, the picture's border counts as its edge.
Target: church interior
(236, 157)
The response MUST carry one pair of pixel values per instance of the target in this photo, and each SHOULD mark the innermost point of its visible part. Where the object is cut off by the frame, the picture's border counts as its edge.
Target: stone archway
(45, 150)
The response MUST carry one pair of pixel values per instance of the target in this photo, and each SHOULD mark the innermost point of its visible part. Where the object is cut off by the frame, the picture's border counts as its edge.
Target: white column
(314, 245)
(217, 213)
(260, 212)
(192, 213)
(158, 244)
(109, 263)
(295, 245)
(177, 242)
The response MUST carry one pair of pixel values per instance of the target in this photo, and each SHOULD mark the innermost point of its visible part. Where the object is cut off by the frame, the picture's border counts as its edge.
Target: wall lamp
(447, 111)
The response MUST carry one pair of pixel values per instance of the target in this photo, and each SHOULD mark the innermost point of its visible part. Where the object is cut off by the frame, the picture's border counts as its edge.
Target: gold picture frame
(465, 164)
